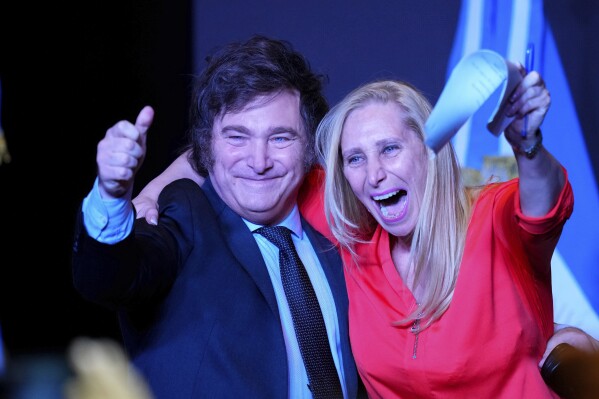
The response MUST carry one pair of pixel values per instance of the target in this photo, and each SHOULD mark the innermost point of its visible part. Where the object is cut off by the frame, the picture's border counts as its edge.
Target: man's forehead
(261, 100)
(274, 111)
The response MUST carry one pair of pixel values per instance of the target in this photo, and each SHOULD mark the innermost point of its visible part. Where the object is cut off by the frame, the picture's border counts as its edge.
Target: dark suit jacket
(195, 302)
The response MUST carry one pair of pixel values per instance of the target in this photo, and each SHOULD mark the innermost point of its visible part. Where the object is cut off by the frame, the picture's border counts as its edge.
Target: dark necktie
(307, 318)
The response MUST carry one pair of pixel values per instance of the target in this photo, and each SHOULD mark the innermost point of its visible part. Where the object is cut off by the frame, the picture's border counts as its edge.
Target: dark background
(69, 72)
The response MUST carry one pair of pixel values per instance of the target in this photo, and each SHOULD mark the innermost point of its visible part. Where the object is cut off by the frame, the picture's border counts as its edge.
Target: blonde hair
(438, 239)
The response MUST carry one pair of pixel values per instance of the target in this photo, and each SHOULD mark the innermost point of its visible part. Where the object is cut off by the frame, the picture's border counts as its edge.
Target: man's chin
(264, 213)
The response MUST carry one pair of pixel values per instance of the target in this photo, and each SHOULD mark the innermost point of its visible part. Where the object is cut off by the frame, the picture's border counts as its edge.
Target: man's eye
(282, 141)
(236, 140)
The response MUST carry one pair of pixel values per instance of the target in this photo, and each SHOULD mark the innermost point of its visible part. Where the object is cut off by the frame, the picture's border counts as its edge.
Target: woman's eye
(390, 149)
(353, 160)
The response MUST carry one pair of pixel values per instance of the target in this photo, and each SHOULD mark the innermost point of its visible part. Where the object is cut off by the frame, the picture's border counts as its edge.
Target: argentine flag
(507, 27)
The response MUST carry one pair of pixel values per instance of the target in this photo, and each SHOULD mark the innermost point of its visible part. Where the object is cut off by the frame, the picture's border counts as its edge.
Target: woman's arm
(541, 175)
(310, 199)
(146, 202)
(311, 202)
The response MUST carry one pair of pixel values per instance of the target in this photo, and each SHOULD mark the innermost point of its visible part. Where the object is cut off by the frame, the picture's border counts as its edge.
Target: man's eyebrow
(284, 129)
(235, 128)
(272, 130)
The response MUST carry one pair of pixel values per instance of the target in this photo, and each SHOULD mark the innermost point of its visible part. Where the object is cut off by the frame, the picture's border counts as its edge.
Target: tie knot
(278, 235)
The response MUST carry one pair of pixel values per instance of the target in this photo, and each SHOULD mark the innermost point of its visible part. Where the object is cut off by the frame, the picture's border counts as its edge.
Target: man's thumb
(144, 119)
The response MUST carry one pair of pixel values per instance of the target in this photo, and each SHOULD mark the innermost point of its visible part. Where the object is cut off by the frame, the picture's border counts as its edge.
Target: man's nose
(259, 158)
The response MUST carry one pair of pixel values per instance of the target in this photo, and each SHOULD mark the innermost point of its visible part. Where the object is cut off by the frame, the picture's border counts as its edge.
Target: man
(200, 301)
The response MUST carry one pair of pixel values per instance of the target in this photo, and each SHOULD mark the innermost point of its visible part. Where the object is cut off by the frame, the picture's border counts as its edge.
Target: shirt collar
(293, 222)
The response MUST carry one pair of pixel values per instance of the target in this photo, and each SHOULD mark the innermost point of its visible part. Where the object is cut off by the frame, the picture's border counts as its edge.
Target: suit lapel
(242, 245)
(333, 269)
(331, 264)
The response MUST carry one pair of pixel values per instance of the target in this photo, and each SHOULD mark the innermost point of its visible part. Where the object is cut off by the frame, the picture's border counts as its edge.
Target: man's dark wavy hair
(237, 74)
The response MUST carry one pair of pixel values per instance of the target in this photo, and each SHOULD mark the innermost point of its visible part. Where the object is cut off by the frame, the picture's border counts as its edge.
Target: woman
(450, 287)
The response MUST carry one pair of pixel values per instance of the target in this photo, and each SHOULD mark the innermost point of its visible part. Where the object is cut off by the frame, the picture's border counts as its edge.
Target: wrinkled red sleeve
(311, 201)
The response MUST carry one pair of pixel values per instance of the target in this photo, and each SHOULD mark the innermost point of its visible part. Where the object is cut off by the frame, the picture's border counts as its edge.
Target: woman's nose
(376, 172)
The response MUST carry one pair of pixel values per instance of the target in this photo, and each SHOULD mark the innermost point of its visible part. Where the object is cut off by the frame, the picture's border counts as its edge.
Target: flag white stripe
(472, 42)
